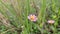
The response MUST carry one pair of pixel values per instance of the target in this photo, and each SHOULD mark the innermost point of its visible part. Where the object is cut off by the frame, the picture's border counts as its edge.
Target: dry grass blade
(5, 21)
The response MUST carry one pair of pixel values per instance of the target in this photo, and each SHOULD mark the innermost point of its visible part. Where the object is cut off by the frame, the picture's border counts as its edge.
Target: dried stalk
(5, 21)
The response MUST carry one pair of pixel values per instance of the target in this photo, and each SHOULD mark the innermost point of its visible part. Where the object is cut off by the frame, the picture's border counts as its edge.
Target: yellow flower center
(32, 17)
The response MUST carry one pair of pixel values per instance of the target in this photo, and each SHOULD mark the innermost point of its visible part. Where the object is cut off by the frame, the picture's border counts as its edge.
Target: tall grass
(14, 16)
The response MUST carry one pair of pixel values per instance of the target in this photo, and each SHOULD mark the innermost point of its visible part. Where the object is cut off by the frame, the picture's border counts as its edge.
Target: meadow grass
(14, 17)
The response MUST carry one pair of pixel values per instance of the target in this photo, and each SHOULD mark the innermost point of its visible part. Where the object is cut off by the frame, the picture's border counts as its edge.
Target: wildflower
(4, 0)
(51, 21)
(32, 17)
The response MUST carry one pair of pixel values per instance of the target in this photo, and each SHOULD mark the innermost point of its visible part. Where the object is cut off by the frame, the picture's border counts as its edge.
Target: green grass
(14, 16)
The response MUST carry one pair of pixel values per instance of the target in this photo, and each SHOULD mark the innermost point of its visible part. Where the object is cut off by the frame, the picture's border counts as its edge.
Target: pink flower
(4, 0)
(32, 17)
(51, 21)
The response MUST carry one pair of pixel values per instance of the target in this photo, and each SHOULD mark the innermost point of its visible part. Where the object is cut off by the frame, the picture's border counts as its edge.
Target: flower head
(32, 17)
(4, 0)
(51, 21)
